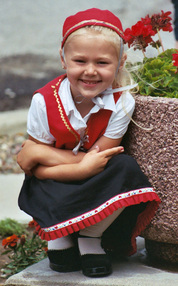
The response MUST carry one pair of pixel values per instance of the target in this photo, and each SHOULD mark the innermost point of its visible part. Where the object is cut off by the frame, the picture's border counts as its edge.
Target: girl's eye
(79, 61)
(102, 63)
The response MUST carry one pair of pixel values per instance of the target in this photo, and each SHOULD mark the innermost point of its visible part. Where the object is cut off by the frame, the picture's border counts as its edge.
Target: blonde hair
(122, 77)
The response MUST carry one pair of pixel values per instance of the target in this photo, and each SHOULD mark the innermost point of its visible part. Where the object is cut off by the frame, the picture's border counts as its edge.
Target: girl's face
(90, 63)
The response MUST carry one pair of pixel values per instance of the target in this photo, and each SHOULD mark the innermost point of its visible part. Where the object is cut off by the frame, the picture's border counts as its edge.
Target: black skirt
(60, 209)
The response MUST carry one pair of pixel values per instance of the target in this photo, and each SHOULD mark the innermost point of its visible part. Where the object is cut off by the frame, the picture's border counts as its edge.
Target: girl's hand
(27, 157)
(94, 162)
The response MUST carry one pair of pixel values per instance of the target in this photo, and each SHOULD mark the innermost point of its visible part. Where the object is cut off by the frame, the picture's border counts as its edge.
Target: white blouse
(37, 123)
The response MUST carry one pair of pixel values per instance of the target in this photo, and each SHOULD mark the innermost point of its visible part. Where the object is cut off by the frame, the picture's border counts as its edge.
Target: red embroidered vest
(59, 125)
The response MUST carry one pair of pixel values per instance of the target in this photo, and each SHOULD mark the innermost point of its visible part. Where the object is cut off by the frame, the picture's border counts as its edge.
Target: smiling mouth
(92, 82)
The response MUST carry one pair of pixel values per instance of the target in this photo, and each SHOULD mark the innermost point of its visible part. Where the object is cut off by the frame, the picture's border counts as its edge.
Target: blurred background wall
(35, 26)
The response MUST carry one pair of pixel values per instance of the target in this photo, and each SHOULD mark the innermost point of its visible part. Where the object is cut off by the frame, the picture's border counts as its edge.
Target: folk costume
(60, 209)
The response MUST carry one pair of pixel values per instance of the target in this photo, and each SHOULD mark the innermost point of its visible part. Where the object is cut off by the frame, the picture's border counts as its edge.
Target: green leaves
(27, 250)
(9, 226)
(157, 76)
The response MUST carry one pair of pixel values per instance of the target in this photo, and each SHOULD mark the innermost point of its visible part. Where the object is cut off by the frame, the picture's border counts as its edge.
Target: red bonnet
(91, 17)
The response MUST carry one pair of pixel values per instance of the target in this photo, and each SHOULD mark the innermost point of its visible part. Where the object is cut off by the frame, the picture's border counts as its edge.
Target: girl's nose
(90, 69)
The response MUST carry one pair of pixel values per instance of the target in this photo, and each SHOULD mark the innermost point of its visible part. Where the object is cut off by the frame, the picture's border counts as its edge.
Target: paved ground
(133, 271)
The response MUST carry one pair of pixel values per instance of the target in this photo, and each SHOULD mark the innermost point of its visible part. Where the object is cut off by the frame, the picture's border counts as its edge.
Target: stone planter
(155, 152)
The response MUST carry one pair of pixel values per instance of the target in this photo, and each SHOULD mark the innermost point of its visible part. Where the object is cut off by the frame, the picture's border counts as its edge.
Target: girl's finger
(112, 151)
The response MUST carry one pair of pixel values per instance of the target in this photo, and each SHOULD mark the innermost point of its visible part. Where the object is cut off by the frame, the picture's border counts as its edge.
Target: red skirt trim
(106, 209)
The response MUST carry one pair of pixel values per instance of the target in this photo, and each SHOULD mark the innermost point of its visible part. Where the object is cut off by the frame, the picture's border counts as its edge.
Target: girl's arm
(92, 163)
(35, 152)
(106, 143)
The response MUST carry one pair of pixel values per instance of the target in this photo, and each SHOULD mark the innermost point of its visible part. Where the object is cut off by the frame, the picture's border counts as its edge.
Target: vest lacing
(84, 139)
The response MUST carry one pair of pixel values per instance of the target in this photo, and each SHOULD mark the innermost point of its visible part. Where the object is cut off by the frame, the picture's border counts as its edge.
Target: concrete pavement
(133, 271)
(12, 122)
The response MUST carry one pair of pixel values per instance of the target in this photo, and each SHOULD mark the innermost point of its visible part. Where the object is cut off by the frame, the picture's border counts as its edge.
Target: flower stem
(143, 53)
(157, 47)
(160, 39)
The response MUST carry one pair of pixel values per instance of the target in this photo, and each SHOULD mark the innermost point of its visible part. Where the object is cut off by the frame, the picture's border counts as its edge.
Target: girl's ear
(62, 59)
(124, 57)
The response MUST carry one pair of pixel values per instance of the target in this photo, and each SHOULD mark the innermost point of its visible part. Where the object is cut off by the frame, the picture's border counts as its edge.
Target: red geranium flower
(10, 241)
(175, 59)
(139, 35)
(160, 21)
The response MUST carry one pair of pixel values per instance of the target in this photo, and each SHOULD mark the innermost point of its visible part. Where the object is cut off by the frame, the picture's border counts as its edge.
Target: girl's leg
(94, 260)
(64, 242)
(90, 237)
(63, 255)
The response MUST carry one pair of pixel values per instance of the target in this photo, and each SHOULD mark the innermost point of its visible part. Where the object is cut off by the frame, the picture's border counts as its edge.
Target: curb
(12, 122)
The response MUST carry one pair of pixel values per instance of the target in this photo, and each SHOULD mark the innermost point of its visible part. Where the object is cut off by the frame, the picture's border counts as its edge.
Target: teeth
(90, 82)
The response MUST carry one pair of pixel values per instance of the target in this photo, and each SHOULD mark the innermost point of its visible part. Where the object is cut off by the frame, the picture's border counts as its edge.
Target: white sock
(91, 242)
(60, 243)
(90, 245)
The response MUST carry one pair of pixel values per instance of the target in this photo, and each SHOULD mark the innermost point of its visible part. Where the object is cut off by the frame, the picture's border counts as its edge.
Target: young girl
(85, 195)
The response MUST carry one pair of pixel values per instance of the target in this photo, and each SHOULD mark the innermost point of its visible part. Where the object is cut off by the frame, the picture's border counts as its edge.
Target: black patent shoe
(96, 265)
(67, 260)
